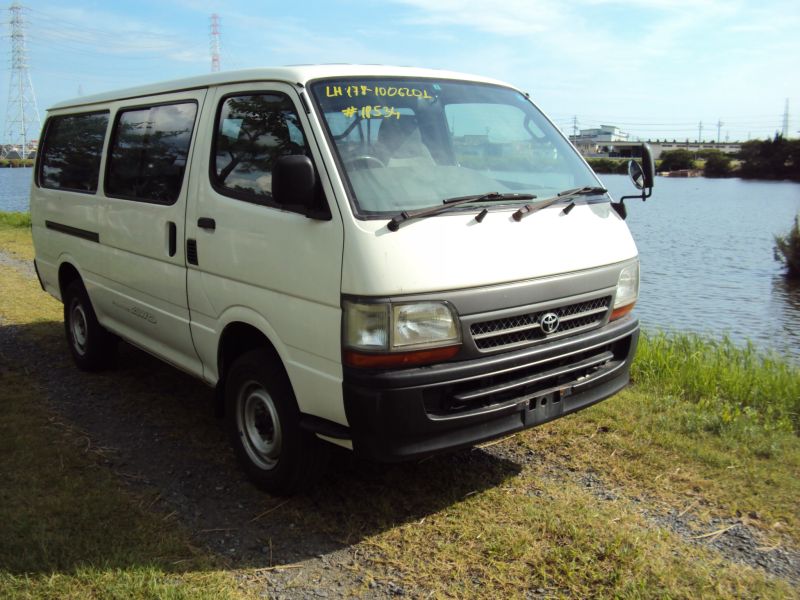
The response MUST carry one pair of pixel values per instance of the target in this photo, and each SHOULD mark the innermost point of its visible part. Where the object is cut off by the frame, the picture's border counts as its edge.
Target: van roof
(296, 74)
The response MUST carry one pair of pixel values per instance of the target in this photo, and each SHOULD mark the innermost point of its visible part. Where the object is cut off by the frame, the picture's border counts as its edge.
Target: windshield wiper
(529, 209)
(447, 204)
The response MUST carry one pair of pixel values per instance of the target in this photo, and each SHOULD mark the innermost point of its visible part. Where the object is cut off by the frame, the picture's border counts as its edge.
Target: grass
(538, 533)
(68, 529)
(15, 235)
(15, 219)
(736, 389)
(708, 429)
(16, 162)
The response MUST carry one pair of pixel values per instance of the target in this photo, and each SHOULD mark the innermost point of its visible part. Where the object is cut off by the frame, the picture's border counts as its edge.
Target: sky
(654, 68)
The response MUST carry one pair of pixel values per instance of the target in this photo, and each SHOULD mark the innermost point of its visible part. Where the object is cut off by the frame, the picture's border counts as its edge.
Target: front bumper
(412, 413)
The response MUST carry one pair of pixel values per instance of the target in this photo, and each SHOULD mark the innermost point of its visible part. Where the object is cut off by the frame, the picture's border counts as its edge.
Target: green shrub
(778, 158)
(622, 167)
(717, 164)
(787, 250)
(676, 160)
(608, 165)
(15, 219)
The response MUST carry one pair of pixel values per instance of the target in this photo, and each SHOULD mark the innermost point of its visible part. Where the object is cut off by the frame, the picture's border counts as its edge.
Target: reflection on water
(786, 299)
(706, 248)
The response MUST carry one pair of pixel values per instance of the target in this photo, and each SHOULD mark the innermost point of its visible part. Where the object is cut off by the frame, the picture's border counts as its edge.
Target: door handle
(172, 238)
(207, 223)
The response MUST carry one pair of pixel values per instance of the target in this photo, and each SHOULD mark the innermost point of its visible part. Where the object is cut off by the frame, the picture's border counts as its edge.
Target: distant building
(597, 140)
(604, 133)
(10, 152)
(609, 141)
(13, 152)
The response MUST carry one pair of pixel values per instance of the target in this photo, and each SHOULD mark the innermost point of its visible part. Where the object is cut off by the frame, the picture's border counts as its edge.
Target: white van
(398, 261)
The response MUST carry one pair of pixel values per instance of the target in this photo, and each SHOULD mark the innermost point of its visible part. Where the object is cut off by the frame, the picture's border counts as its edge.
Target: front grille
(522, 330)
(554, 374)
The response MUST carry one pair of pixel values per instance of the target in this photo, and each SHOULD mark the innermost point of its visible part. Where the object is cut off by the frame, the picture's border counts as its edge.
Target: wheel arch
(67, 273)
(240, 335)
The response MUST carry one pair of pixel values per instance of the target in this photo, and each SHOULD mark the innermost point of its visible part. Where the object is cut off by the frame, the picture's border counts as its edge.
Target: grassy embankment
(15, 162)
(707, 431)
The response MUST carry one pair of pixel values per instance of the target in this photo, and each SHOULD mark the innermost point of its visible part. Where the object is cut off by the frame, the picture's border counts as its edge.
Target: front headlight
(627, 290)
(387, 334)
(366, 326)
(423, 324)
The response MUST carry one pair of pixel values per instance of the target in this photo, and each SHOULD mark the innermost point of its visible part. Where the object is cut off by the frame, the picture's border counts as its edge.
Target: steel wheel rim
(259, 425)
(78, 327)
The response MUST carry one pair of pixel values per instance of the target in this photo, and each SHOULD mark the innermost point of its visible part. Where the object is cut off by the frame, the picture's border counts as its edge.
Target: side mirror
(648, 167)
(295, 186)
(643, 177)
(636, 173)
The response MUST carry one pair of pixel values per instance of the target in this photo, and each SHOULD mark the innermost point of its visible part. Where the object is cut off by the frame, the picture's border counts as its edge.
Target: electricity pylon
(22, 115)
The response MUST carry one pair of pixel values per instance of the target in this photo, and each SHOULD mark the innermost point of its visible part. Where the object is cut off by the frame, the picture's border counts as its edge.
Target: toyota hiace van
(398, 261)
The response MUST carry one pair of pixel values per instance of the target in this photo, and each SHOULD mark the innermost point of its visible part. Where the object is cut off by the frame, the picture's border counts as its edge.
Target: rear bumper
(412, 413)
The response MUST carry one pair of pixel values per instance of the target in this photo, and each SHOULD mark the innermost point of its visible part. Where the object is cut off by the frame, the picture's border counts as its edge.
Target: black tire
(263, 423)
(92, 347)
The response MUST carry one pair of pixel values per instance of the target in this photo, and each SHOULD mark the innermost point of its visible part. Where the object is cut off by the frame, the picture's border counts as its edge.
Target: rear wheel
(264, 426)
(91, 346)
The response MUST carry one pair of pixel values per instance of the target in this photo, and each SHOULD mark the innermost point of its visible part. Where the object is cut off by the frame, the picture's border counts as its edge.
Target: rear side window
(253, 131)
(149, 149)
(73, 146)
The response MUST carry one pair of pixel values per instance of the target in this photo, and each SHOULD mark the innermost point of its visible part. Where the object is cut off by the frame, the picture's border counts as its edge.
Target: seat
(400, 143)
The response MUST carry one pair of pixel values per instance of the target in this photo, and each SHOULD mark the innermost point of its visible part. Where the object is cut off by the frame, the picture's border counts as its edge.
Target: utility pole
(719, 127)
(575, 126)
(700, 132)
(22, 115)
(785, 128)
(214, 43)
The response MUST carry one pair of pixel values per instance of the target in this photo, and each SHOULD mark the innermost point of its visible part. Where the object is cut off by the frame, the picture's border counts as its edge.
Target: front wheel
(91, 346)
(263, 423)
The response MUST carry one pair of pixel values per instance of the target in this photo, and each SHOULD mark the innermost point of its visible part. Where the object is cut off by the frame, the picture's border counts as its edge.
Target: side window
(253, 131)
(73, 146)
(148, 153)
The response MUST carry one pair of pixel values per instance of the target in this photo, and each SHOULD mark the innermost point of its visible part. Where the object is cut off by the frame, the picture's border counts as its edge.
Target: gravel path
(155, 428)
(22, 266)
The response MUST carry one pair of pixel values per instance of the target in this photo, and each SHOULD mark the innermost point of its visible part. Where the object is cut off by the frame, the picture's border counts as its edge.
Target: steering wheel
(369, 161)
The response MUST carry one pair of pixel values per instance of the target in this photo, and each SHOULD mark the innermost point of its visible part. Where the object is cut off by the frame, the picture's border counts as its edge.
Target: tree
(718, 164)
(675, 160)
(777, 158)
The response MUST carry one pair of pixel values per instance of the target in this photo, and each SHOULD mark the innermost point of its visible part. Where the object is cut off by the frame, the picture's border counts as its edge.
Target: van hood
(453, 251)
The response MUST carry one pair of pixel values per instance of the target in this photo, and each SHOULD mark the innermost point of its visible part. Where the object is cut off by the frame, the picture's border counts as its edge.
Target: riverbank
(122, 483)
(16, 163)
(697, 168)
(772, 159)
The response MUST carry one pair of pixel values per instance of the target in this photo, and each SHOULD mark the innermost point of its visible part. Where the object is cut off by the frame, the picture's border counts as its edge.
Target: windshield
(408, 144)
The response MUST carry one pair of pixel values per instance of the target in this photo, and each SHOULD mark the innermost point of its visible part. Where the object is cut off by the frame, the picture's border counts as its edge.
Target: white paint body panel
(453, 251)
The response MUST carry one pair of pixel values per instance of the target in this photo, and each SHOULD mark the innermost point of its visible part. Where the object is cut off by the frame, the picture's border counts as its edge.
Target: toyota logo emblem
(549, 323)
